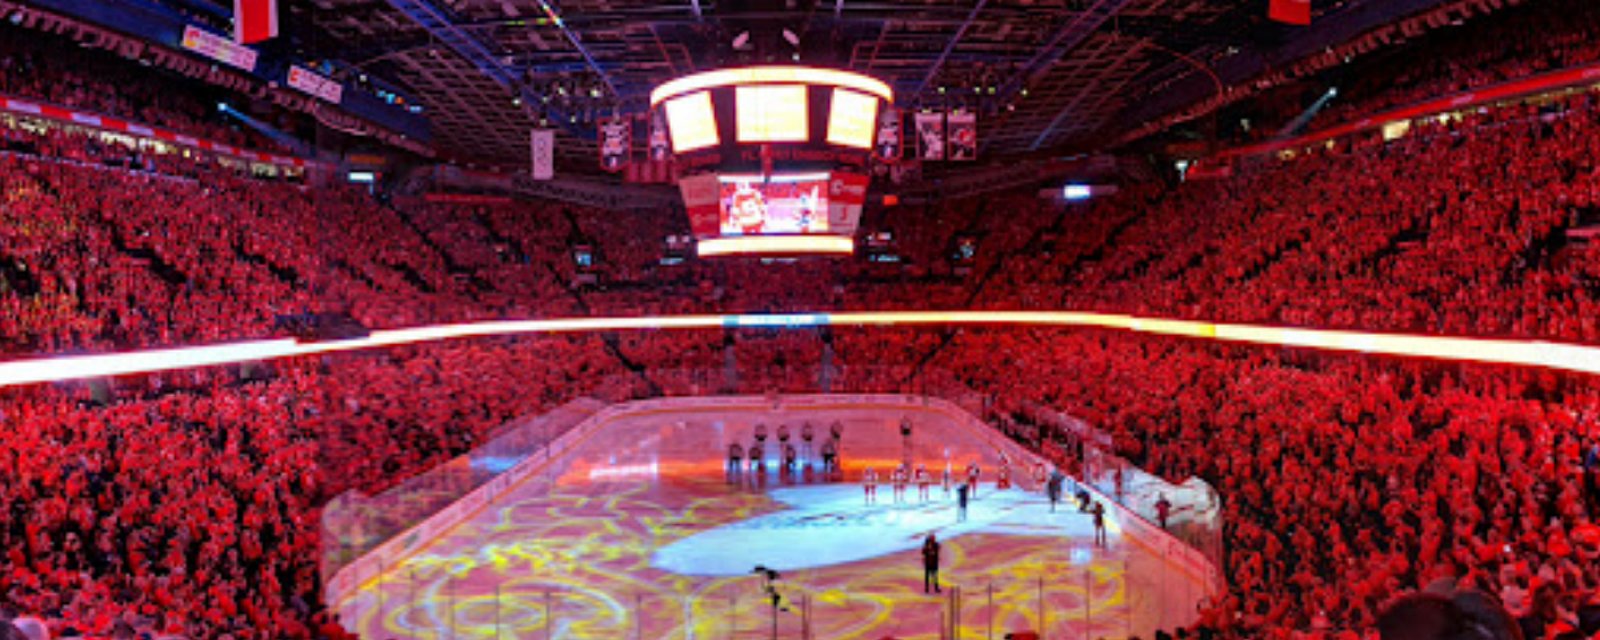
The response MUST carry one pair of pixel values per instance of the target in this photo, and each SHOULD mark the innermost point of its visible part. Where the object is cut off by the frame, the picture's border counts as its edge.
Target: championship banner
(657, 166)
(315, 84)
(616, 142)
(660, 150)
(889, 126)
(544, 153)
(702, 196)
(930, 136)
(254, 20)
(847, 192)
(963, 133)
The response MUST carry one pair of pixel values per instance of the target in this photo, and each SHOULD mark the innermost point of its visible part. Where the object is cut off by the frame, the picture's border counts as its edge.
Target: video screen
(771, 113)
(692, 122)
(782, 204)
(852, 119)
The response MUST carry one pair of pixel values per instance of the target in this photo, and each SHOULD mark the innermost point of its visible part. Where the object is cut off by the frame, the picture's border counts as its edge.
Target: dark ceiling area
(1045, 75)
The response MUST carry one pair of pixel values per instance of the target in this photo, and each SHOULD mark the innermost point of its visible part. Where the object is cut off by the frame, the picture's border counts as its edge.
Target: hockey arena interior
(800, 319)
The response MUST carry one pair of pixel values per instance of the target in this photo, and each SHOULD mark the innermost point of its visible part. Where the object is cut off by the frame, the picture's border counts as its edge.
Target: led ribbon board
(1531, 353)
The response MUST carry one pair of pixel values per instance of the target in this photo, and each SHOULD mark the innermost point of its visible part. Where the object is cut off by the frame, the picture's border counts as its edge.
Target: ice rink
(642, 532)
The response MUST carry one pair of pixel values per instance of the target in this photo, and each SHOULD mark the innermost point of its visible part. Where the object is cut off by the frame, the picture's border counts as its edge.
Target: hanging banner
(218, 48)
(963, 133)
(660, 151)
(657, 166)
(889, 126)
(315, 84)
(847, 192)
(254, 20)
(702, 195)
(930, 136)
(1296, 12)
(544, 154)
(616, 142)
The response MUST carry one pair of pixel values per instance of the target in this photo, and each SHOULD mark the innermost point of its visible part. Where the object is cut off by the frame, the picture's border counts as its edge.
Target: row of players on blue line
(790, 455)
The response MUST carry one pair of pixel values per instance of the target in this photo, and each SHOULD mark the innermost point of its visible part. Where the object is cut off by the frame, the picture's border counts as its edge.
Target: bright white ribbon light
(1532, 353)
(768, 245)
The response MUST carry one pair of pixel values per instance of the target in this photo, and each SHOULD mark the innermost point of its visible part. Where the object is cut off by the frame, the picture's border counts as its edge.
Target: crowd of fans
(1531, 39)
(38, 66)
(187, 503)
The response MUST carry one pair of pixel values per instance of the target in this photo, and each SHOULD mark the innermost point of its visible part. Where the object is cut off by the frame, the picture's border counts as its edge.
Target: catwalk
(642, 532)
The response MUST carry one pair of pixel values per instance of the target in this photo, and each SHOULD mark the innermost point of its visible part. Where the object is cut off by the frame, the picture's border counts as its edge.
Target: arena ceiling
(1043, 74)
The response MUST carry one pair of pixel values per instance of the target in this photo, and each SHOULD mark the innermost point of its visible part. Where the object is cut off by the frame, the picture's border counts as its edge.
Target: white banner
(315, 84)
(889, 123)
(218, 48)
(930, 136)
(544, 154)
(962, 130)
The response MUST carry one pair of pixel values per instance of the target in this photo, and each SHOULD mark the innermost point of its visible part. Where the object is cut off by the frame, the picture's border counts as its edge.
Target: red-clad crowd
(1345, 481)
(1530, 39)
(40, 66)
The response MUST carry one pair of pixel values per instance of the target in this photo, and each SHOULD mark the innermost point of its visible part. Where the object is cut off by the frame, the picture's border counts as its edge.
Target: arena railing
(381, 530)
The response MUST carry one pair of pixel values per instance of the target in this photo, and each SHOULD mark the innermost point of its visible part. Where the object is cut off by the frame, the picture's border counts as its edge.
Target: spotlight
(1333, 92)
(791, 38)
(740, 41)
(222, 106)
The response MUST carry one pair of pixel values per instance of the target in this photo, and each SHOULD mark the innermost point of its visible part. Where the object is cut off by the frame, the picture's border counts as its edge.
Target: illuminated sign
(315, 84)
(775, 113)
(692, 123)
(767, 245)
(218, 48)
(1534, 353)
(852, 119)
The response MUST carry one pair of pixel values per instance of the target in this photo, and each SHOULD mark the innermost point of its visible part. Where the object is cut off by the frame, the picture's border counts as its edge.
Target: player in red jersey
(1041, 477)
(898, 478)
(972, 478)
(1003, 477)
(923, 482)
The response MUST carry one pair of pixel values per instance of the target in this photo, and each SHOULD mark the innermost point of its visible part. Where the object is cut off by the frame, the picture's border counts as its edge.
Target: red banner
(846, 193)
(254, 20)
(1296, 12)
(701, 197)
